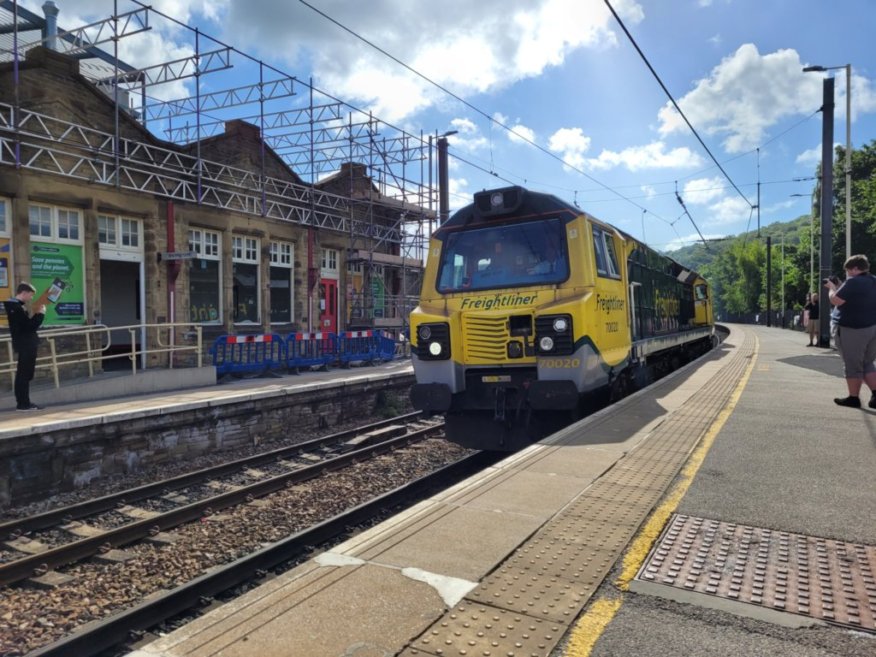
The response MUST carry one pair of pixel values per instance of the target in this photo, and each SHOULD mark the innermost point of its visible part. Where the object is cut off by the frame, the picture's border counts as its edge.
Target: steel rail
(116, 629)
(19, 526)
(14, 571)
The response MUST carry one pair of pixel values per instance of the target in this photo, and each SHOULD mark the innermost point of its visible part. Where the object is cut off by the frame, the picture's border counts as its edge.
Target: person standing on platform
(855, 301)
(23, 328)
(812, 325)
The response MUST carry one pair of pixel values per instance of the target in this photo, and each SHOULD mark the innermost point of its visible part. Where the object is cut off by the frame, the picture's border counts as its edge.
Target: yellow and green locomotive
(531, 309)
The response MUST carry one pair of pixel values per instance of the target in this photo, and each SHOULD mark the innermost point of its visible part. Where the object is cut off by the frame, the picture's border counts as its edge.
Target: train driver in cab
(550, 262)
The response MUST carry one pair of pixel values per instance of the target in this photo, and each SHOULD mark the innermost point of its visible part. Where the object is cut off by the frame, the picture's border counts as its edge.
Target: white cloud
(649, 191)
(571, 144)
(468, 137)
(809, 157)
(650, 156)
(520, 134)
(166, 41)
(729, 210)
(745, 95)
(691, 238)
(701, 191)
(458, 194)
(471, 47)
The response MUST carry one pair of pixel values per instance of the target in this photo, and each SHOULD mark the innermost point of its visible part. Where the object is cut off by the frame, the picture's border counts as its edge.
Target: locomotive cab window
(511, 255)
(605, 256)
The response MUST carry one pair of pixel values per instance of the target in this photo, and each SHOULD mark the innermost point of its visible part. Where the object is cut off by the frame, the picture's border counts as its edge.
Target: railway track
(119, 628)
(101, 603)
(127, 523)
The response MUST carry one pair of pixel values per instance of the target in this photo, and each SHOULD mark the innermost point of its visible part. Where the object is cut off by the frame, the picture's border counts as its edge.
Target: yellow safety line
(591, 626)
(593, 622)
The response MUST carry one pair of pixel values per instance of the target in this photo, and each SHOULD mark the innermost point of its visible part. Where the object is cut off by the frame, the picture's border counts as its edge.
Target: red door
(328, 305)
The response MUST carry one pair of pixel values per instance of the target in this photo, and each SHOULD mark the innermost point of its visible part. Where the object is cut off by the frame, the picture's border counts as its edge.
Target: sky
(553, 95)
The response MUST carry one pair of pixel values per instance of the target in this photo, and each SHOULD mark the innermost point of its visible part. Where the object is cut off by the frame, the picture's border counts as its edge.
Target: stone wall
(41, 464)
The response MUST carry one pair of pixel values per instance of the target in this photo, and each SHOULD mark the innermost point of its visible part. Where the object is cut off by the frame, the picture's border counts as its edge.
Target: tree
(736, 266)
(863, 204)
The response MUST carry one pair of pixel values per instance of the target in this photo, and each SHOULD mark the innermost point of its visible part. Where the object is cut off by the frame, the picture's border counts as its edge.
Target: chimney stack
(50, 34)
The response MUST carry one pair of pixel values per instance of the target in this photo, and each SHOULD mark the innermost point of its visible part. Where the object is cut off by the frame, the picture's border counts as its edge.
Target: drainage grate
(821, 578)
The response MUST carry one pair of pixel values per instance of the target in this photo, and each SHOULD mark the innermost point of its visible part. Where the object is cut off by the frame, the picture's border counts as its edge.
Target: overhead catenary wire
(472, 107)
(673, 101)
(684, 207)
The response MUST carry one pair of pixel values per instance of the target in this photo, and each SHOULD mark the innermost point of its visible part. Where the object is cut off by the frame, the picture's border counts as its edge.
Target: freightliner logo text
(498, 301)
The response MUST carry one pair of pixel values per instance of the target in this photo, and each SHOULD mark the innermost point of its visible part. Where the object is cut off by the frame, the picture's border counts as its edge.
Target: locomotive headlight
(561, 325)
(496, 200)
(546, 343)
(433, 341)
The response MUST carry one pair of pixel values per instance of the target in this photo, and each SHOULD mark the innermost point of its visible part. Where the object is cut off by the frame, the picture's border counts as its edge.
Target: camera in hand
(833, 279)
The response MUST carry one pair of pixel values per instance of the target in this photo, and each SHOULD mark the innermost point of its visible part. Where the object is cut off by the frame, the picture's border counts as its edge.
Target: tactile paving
(484, 631)
(821, 578)
(525, 606)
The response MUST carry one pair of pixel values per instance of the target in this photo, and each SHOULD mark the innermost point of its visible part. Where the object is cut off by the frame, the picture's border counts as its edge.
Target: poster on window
(6, 283)
(57, 274)
(378, 293)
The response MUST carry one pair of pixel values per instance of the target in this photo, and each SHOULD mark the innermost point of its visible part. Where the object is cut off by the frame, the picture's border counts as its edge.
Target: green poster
(56, 272)
(378, 294)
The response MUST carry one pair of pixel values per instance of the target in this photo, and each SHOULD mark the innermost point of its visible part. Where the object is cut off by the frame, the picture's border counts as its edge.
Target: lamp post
(812, 287)
(783, 280)
(443, 187)
(848, 69)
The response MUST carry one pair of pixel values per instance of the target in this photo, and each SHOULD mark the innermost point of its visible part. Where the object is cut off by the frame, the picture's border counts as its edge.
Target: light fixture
(848, 68)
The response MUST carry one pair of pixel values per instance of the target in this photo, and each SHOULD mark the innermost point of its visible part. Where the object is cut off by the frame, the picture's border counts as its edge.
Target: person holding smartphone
(25, 341)
(855, 302)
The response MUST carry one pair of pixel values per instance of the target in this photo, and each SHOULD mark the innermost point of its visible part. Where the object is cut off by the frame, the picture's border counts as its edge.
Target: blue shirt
(859, 294)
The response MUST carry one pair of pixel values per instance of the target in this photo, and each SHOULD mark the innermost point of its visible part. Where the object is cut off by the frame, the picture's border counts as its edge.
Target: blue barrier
(358, 346)
(311, 350)
(385, 347)
(241, 354)
(247, 354)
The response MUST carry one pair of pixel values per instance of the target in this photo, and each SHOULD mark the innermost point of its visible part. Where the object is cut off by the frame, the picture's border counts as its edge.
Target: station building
(124, 228)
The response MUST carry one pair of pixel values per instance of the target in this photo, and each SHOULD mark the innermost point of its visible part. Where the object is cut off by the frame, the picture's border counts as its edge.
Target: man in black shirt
(25, 341)
(855, 301)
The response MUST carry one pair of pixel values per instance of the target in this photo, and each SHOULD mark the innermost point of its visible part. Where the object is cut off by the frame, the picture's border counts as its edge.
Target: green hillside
(736, 266)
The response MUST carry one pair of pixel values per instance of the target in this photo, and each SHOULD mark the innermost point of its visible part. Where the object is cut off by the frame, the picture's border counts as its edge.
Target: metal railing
(89, 345)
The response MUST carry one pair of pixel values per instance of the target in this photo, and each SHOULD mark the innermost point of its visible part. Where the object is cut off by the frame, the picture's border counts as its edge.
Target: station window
(4, 213)
(245, 271)
(329, 260)
(281, 292)
(40, 217)
(119, 232)
(204, 277)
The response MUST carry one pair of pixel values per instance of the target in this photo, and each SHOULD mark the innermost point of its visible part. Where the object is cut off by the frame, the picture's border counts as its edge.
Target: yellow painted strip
(591, 626)
(593, 622)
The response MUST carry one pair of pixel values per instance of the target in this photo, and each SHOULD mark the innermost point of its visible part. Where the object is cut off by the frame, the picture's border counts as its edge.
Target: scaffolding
(318, 137)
